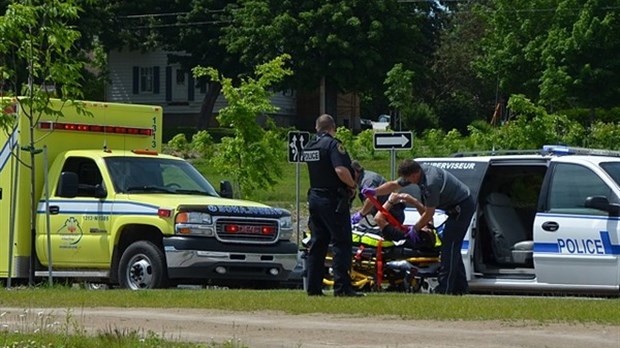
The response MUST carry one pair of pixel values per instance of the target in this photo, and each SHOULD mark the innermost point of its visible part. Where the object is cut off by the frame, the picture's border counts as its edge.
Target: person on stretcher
(423, 238)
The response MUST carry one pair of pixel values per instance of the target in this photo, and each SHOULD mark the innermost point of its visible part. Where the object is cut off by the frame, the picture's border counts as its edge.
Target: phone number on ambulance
(96, 217)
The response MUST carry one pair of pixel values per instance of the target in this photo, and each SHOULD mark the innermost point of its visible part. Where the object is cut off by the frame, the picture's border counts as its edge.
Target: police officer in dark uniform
(439, 189)
(329, 198)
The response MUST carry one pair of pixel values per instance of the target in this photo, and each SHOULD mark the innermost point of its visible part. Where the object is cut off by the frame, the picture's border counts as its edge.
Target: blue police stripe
(8, 146)
(554, 248)
(610, 249)
(101, 207)
(546, 248)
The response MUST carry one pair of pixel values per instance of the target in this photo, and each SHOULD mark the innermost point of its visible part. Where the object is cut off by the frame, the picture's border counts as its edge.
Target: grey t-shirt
(439, 188)
(371, 179)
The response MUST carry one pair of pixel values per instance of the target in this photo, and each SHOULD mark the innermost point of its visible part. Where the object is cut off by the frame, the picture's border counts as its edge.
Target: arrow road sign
(393, 140)
(296, 143)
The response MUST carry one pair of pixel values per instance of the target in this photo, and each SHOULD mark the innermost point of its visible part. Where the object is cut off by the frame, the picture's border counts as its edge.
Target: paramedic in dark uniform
(439, 190)
(368, 178)
(329, 198)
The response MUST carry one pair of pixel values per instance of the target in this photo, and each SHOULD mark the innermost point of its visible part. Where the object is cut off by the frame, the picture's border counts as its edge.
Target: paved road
(274, 329)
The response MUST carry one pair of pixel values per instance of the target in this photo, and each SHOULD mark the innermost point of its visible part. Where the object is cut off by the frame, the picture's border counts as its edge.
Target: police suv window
(571, 184)
(613, 169)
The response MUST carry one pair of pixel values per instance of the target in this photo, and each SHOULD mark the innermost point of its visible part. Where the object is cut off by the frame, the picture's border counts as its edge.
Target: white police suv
(547, 221)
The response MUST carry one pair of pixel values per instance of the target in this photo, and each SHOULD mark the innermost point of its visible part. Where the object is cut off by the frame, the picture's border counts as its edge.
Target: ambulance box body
(119, 212)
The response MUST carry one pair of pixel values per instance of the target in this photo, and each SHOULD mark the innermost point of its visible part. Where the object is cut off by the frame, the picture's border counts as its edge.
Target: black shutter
(155, 80)
(168, 83)
(136, 80)
(190, 87)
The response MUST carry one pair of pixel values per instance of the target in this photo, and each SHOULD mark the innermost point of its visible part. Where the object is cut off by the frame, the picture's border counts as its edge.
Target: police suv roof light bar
(561, 150)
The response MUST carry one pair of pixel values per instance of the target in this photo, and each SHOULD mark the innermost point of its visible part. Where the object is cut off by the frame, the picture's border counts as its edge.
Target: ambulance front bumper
(208, 258)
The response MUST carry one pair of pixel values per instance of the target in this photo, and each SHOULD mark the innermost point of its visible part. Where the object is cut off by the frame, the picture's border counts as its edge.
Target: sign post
(393, 141)
(297, 141)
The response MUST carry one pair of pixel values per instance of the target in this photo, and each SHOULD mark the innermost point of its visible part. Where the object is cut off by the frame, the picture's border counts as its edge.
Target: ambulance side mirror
(67, 185)
(226, 190)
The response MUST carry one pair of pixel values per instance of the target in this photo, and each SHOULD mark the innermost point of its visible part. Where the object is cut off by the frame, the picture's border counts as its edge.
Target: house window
(146, 79)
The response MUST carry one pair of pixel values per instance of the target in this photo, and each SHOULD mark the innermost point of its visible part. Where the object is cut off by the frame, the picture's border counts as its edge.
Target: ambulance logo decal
(71, 233)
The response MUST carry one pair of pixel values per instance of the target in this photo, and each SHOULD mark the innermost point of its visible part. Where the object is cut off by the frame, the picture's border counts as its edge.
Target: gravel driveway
(275, 329)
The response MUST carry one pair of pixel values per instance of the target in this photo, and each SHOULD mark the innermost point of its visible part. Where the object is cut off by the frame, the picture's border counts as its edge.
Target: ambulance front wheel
(142, 266)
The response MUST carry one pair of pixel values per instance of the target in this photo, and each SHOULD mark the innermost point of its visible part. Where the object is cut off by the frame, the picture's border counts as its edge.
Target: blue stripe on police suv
(577, 246)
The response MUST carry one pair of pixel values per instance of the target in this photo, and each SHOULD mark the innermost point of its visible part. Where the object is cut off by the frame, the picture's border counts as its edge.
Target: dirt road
(274, 329)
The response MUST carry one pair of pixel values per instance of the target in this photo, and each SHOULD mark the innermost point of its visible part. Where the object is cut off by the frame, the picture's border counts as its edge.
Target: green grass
(105, 339)
(401, 305)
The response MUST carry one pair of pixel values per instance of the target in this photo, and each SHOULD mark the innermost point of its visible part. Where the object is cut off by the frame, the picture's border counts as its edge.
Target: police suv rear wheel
(142, 266)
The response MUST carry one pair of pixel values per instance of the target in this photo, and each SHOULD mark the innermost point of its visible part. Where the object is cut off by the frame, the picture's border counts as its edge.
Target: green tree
(582, 56)
(91, 24)
(348, 44)
(399, 92)
(457, 94)
(514, 32)
(254, 154)
(37, 35)
(199, 38)
(531, 128)
(563, 53)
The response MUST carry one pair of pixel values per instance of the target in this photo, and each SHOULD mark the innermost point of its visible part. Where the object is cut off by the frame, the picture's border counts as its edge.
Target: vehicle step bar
(74, 274)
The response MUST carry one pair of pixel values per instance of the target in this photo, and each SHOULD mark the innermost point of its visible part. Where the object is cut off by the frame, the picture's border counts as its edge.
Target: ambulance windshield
(156, 175)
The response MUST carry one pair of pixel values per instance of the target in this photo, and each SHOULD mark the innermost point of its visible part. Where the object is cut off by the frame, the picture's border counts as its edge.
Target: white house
(147, 78)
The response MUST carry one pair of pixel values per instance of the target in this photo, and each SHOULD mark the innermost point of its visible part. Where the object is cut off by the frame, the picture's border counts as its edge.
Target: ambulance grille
(255, 231)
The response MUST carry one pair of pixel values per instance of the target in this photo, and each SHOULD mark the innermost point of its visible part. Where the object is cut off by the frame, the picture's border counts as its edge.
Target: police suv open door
(470, 172)
(576, 230)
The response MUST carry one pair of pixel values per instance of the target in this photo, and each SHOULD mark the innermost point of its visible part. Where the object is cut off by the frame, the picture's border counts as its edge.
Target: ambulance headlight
(286, 228)
(286, 222)
(194, 218)
(194, 223)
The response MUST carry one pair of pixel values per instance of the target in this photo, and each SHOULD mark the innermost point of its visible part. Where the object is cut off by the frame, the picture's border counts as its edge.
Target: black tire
(142, 266)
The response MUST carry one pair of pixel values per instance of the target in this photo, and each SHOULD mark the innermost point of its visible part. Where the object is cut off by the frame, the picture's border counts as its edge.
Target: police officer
(439, 190)
(329, 198)
(368, 178)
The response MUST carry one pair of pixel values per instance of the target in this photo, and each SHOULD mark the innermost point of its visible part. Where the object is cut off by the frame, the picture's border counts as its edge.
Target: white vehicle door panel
(574, 244)
(470, 172)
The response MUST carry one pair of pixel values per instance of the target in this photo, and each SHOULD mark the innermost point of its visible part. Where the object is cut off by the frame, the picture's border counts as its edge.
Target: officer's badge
(341, 149)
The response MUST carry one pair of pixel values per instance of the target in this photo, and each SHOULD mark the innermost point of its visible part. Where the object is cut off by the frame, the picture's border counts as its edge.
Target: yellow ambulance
(117, 211)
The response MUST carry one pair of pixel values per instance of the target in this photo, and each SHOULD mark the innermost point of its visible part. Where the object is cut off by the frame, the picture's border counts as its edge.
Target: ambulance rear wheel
(142, 266)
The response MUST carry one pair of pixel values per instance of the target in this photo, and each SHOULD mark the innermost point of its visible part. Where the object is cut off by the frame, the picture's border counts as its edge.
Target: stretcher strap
(390, 218)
